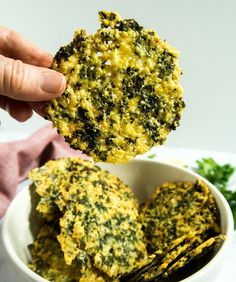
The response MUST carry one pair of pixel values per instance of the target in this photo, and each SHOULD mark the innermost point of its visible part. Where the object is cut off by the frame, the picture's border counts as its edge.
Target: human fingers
(19, 110)
(38, 107)
(14, 46)
(21, 81)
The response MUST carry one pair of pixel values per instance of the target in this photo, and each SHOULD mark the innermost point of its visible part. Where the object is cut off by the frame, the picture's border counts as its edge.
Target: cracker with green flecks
(181, 258)
(153, 266)
(194, 259)
(48, 260)
(97, 214)
(123, 94)
(175, 209)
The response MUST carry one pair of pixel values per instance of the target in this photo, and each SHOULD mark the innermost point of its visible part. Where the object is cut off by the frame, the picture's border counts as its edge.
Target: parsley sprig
(219, 175)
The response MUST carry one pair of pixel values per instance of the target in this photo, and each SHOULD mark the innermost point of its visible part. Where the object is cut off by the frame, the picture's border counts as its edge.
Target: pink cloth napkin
(19, 157)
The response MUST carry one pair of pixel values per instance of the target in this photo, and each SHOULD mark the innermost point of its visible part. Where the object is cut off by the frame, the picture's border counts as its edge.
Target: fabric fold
(17, 158)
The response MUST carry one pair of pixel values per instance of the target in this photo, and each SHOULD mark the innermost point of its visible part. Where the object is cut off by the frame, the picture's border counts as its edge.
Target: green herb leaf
(219, 175)
(152, 156)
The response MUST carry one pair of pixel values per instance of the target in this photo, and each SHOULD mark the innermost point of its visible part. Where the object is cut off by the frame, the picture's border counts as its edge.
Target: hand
(25, 80)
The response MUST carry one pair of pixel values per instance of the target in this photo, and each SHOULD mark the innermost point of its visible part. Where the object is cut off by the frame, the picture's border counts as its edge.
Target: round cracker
(123, 94)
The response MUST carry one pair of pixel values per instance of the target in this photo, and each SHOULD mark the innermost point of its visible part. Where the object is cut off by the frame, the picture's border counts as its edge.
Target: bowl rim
(22, 267)
(9, 250)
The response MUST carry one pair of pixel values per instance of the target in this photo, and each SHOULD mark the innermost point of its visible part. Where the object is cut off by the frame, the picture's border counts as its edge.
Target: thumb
(21, 81)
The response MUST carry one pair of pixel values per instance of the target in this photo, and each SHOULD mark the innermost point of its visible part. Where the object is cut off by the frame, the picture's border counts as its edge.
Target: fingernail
(52, 82)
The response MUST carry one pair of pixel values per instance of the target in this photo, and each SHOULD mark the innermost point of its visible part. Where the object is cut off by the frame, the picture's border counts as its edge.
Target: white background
(203, 31)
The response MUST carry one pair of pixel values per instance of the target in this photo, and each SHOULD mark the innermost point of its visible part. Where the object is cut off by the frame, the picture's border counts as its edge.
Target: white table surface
(166, 154)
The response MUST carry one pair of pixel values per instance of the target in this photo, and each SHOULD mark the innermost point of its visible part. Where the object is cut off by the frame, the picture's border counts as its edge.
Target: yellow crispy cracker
(175, 209)
(195, 258)
(97, 214)
(123, 93)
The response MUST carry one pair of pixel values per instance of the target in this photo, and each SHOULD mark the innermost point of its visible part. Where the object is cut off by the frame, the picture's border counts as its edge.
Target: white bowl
(142, 176)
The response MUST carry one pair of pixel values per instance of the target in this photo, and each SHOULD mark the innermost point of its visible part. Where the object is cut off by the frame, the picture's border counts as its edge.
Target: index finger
(14, 46)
